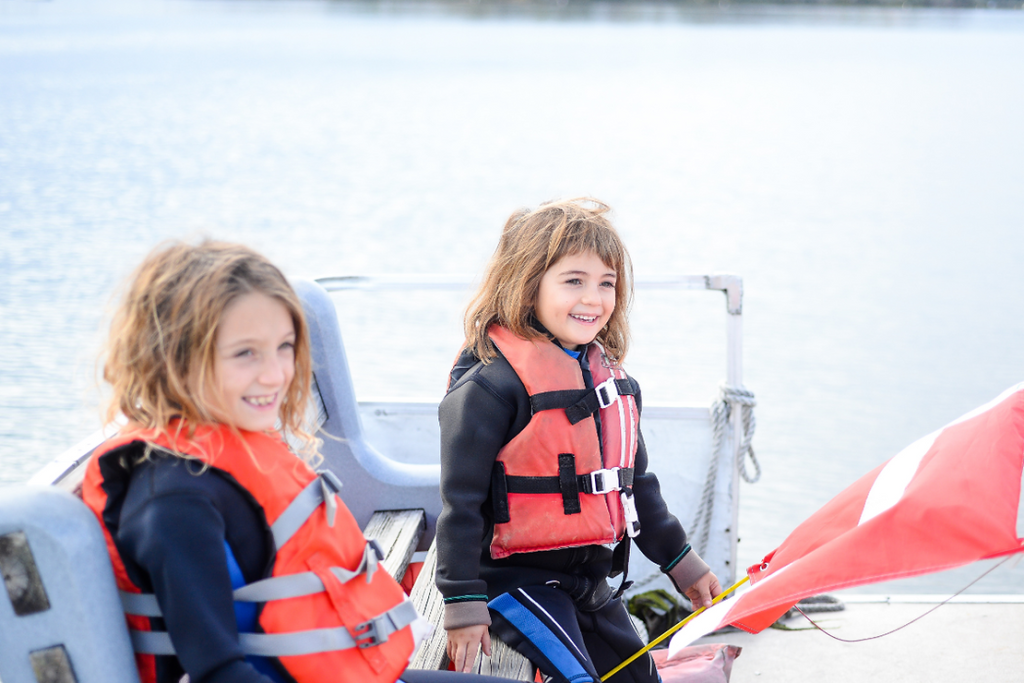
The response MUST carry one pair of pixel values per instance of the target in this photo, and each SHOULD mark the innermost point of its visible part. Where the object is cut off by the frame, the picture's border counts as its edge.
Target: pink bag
(711, 663)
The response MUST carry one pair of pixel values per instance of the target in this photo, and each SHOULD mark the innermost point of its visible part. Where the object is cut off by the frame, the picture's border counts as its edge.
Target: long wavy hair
(159, 357)
(533, 241)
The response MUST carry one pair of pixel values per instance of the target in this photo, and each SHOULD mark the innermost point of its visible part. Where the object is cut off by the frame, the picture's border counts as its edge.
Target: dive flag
(946, 500)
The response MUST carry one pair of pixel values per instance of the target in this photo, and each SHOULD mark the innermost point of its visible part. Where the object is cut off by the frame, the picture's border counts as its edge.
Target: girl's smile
(576, 298)
(255, 361)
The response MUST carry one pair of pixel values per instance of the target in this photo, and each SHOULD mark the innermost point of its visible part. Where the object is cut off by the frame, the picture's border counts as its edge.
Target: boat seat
(373, 480)
(60, 615)
(504, 662)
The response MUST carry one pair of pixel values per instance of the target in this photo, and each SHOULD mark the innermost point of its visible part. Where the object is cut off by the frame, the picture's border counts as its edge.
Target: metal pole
(734, 375)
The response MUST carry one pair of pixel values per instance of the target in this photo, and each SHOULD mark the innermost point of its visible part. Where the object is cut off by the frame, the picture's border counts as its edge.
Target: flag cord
(918, 618)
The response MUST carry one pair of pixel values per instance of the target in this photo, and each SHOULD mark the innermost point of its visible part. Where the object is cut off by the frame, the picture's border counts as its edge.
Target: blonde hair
(530, 243)
(159, 358)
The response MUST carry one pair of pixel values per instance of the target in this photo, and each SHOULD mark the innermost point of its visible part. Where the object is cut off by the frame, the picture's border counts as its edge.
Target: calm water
(860, 168)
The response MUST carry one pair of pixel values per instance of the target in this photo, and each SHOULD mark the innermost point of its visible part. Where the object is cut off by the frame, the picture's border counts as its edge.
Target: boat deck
(979, 638)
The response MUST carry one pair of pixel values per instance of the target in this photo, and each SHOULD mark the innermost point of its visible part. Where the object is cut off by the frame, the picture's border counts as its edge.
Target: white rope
(721, 411)
(745, 399)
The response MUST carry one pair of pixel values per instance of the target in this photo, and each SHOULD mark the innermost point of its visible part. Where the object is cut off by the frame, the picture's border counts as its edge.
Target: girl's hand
(703, 589)
(463, 644)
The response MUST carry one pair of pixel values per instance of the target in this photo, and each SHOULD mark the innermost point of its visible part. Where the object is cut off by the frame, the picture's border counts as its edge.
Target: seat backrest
(60, 615)
(372, 480)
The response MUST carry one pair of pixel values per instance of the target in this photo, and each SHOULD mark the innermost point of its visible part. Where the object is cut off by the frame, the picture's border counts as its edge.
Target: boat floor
(959, 641)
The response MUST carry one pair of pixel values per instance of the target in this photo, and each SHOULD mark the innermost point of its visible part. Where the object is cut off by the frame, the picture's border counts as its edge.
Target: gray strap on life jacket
(274, 588)
(307, 583)
(320, 490)
(140, 604)
(367, 634)
(151, 642)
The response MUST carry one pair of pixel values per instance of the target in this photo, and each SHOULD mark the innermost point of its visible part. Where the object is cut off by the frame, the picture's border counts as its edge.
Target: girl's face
(576, 298)
(254, 361)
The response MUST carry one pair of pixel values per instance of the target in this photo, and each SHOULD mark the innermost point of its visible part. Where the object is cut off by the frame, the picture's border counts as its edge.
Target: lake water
(860, 168)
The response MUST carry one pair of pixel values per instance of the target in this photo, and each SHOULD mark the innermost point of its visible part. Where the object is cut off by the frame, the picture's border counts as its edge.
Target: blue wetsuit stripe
(534, 630)
(246, 616)
(245, 612)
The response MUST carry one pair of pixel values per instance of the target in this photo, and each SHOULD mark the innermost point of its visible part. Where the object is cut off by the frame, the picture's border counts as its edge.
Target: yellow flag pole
(672, 630)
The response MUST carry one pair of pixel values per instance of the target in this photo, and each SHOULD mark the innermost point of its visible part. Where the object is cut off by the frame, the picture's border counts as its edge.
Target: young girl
(542, 461)
(237, 563)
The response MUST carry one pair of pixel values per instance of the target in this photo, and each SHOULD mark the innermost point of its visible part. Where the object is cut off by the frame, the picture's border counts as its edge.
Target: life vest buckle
(602, 481)
(331, 479)
(330, 485)
(629, 513)
(607, 392)
(371, 633)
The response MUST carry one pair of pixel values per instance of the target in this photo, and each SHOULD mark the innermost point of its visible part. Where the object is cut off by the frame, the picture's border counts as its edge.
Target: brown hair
(159, 358)
(533, 241)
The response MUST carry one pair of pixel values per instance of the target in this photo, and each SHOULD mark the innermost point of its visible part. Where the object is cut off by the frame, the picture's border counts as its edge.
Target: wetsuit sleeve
(177, 538)
(475, 420)
(662, 538)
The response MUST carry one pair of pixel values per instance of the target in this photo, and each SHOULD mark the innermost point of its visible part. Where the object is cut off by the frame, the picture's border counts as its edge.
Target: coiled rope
(819, 603)
(721, 412)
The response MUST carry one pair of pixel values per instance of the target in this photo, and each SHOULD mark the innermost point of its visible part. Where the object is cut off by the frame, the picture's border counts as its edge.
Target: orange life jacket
(555, 485)
(327, 612)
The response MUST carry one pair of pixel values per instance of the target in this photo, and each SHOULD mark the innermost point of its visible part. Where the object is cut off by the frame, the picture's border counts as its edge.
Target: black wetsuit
(486, 406)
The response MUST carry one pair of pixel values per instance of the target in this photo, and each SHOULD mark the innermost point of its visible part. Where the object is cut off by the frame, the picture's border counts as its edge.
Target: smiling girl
(542, 463)
(237, 563)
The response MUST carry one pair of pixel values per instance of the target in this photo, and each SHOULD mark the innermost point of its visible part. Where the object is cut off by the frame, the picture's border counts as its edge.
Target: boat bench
(398, 532)
(504, 662)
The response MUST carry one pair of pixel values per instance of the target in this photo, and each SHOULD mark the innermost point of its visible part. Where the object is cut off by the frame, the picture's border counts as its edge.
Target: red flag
(946, 500)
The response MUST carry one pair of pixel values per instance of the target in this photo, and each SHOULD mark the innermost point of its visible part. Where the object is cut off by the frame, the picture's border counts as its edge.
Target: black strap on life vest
(620, 565)
(567, 483)
(499, 494)
(578, 404)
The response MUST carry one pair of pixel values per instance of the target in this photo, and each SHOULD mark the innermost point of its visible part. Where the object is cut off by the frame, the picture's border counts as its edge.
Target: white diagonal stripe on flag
(704, 623)
(894, 478)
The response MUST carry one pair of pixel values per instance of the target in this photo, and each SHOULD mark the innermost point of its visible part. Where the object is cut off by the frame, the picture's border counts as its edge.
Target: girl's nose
(273, 371)
(591, 296)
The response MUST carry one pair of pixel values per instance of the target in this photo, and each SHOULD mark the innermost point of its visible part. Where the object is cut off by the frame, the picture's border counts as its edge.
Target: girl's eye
(287, 346)
(574, 281)
(244, 353)
(608, 284)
